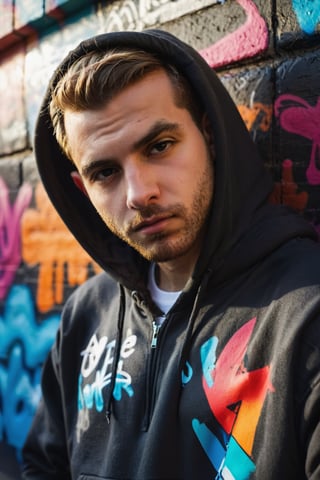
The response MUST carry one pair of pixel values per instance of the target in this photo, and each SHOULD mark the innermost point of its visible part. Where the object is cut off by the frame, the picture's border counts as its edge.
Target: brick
(226, 32)
(67, 6)
(10, 168)
(27, 11)
(298, 24)
(13, 129)
(252, 91)
(6, 15)
(297, 112)
(29, 171)
(45, 54)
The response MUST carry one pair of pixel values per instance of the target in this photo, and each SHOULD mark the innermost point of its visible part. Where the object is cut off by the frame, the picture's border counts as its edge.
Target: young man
(196, 354)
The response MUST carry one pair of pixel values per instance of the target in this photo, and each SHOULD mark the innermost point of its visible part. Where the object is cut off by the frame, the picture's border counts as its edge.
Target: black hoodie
(232, 388)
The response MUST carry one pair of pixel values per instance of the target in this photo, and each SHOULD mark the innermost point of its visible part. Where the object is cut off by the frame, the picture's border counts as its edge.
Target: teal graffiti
(308, 14)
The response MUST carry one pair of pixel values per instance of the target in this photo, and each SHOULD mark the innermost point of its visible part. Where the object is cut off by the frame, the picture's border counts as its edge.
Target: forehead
(122, 119)
(154, 86)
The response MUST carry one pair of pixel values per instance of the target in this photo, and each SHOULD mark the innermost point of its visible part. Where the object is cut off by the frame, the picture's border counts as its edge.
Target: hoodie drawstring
(192, 318)
(122, 307)
(185, 348)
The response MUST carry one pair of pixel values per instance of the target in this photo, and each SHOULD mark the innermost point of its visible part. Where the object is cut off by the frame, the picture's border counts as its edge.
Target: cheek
(108, 208)
(97, 201)
(94, 199)
(200, 170)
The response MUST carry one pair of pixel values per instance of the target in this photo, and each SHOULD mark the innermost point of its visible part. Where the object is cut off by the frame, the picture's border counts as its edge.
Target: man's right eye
(104, 174)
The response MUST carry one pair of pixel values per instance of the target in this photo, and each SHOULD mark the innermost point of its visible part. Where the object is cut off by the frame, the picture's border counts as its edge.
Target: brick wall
(267, 53)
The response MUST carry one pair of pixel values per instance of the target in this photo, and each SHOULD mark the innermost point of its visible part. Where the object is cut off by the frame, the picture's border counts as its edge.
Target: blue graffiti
(186, 374)
(92, 395)
(18, 324)
(308, 14)
(225, 454)
(24, 345)
(21, 395)
(208, 359)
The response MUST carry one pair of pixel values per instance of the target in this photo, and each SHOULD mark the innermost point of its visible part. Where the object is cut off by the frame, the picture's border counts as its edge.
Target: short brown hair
(96, 77)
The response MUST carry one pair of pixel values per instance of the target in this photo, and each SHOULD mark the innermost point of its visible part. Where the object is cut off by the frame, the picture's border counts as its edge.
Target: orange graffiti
(287, 192)
(47, 242)
(259, 115)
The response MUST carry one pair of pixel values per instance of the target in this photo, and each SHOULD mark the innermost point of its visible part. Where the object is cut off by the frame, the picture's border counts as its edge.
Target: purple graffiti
(299, 117)
(247, 41)
(10, 216)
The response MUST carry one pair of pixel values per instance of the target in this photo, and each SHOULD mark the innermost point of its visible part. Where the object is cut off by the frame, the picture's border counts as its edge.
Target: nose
(141, 184)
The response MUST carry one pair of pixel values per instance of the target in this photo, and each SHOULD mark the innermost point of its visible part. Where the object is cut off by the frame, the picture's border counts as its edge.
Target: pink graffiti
(299, 117)
(10, 250)
(236, 395)
(287, 191)
(247, 41)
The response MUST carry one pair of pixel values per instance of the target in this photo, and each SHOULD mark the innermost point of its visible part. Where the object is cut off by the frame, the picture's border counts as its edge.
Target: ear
(77, 180)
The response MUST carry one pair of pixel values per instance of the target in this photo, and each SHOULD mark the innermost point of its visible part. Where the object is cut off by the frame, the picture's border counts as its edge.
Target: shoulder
(98, 294)
(93, 287)
(298, 261)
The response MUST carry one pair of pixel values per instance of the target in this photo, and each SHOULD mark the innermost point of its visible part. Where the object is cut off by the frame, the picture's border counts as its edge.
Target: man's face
(146, 168)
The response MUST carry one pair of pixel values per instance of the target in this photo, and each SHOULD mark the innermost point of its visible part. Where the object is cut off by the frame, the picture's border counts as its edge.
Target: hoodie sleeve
(45, 454)
(312, 415)
(309, 397)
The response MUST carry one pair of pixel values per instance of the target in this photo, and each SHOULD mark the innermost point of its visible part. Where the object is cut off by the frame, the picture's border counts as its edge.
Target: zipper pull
(155, 332)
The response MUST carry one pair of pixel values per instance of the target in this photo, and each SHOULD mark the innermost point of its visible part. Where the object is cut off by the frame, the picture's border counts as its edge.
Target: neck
(173, 276)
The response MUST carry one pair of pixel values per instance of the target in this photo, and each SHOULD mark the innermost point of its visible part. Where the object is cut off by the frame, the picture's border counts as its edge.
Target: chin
(163, 253)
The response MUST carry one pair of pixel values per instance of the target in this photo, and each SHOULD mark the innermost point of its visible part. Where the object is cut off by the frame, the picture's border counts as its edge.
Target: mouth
(152, 225)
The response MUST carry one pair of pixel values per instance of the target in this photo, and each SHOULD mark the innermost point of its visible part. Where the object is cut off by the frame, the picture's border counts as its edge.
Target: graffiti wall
(266, 52)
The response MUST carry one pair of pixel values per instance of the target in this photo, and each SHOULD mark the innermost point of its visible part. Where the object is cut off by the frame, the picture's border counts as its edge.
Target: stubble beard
(161, 247)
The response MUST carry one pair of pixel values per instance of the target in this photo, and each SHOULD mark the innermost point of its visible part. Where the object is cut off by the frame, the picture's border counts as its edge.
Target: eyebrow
(159, 127)
(156, 129)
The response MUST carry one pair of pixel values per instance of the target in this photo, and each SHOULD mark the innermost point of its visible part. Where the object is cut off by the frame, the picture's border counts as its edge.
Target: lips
(153, 224)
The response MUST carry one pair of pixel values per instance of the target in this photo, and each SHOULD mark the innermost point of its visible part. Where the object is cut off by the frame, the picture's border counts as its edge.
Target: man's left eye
(160, 146)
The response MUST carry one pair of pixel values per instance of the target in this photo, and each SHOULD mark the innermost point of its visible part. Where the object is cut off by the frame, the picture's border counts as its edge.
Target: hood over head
(242, 185)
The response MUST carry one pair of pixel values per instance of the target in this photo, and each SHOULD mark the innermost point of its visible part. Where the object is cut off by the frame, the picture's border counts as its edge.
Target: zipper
(152, 373)
(155, 332)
